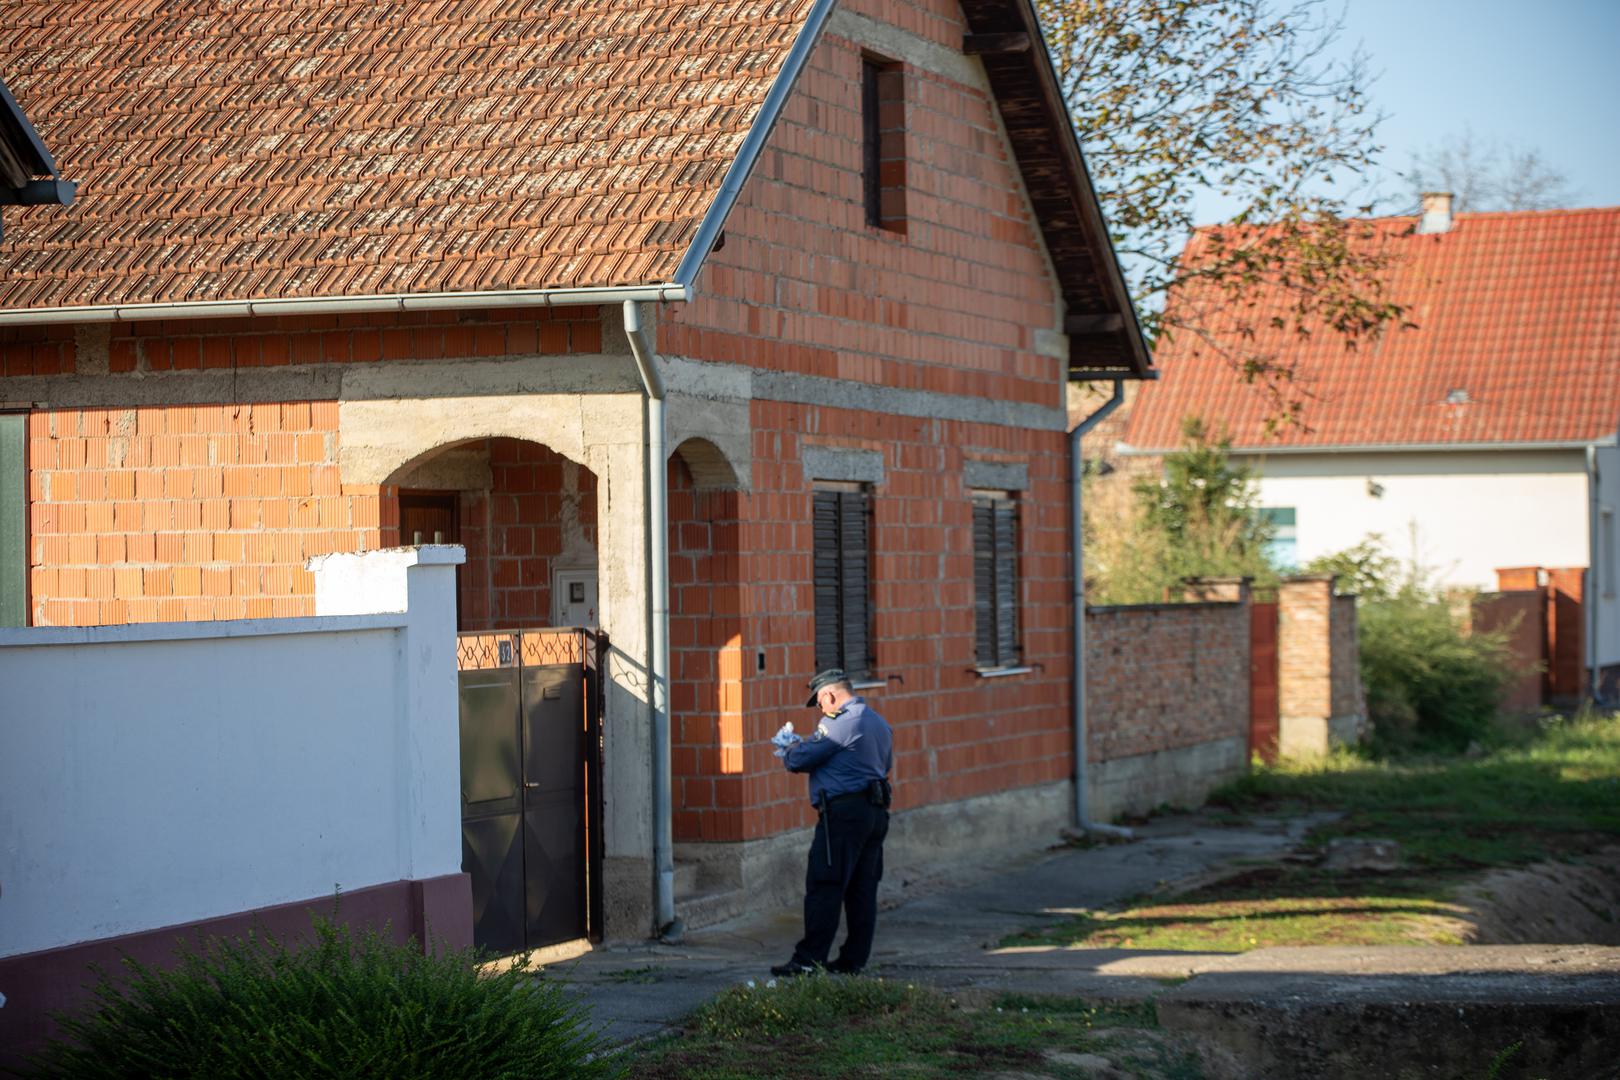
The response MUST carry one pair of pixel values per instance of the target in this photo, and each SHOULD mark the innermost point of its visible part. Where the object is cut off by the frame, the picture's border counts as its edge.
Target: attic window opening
(1457, 397)
(883, 143)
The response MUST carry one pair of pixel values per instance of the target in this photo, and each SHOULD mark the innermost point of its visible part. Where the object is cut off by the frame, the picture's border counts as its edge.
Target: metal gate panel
(492, 805)
(553, 801)
(531, 785)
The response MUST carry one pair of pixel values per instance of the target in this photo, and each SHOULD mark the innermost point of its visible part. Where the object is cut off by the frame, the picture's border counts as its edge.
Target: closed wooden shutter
(828, 581)
(1006, 515)
(984, 583)
(843, 581)
(995, 582)
(855, 552)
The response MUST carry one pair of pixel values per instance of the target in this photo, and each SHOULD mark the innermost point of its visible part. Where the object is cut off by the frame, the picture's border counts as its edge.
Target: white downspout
(658, 650)
(1592, 590)
(1077, 531)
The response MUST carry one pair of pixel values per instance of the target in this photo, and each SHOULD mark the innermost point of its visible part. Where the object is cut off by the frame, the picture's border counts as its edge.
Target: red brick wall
(1165, 677)
(516, 530)
(36, 350)
(1521, 613)
(706, 659)
(803, 284)
(189, 511)
(342, 339)
(956, 734)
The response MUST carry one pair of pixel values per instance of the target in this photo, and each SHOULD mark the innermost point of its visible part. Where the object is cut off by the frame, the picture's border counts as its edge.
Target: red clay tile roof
(1518, 320)
(304, 148)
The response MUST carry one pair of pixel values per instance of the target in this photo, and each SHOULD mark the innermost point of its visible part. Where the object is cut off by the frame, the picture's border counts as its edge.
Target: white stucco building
(1480, 438)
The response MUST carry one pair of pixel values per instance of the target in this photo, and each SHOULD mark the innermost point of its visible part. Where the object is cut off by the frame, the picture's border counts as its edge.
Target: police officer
(849, 759)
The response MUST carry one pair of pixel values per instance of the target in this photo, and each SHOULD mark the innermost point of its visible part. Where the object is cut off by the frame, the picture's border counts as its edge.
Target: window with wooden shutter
(995, 580)
(843, 552)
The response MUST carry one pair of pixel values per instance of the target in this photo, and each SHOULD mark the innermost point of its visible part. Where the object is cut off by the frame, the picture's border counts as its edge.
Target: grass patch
(822, 1026)
(1215, 920)
(1547, 792)
(1552, 791)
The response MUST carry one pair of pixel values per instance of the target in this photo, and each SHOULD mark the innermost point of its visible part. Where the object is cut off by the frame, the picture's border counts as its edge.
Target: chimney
(1436, 212)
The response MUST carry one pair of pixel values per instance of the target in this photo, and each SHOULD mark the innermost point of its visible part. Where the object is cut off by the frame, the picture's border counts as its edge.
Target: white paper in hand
(784, 739)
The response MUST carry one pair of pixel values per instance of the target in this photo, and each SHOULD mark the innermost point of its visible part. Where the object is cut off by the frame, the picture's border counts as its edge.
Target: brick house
(806, 280)
(1481, 438)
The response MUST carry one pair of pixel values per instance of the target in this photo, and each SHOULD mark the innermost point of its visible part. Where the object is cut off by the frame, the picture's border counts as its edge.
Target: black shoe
(793, 968)
(836, 968)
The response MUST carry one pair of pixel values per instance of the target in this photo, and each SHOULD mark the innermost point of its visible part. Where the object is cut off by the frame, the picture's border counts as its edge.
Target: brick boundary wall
(1521, 614)
(1167, 711)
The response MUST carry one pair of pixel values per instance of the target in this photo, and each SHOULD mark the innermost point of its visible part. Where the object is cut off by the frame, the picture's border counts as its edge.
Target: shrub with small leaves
(345, 1005)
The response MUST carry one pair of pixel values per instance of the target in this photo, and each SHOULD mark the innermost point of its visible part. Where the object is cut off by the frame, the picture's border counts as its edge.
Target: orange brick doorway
(527, 517)
(706, 645)
(529, 711)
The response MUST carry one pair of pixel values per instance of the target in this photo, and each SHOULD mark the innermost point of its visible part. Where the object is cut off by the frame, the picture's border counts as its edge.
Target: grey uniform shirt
(846, 754)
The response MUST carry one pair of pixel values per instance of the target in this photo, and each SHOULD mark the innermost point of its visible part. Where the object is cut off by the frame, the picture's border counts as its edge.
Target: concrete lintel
(837, 463)
(997, 475)
(897, 44)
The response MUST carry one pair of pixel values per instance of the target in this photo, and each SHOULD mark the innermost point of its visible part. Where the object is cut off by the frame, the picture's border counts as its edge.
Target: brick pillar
(1307, 721)
(1566, 635)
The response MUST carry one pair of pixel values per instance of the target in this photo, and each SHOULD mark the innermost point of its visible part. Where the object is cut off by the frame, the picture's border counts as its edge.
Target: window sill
(868, 684)
(1000, 672)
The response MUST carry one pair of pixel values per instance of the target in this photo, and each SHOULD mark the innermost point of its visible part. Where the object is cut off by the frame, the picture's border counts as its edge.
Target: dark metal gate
(531, 754)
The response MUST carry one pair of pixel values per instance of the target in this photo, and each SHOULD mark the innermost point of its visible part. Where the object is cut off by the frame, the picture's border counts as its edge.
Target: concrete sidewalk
(943, 937)
(1284, 1012)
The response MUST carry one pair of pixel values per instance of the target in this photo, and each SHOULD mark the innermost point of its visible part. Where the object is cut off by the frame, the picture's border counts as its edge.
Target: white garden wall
(156, 775)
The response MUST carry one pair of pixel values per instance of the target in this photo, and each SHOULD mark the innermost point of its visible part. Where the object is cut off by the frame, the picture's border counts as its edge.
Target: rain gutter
(641, 346)
(343, 305)
(1078, 666)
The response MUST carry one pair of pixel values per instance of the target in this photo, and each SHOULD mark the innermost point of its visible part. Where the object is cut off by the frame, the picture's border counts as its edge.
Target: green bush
(1429, 684)
(343, 1006)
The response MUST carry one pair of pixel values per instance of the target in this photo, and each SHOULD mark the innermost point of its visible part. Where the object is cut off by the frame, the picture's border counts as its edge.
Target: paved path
(946, 937)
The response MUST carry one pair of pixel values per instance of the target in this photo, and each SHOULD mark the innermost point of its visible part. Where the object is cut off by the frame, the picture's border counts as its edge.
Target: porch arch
(379, 438)
(707, 464)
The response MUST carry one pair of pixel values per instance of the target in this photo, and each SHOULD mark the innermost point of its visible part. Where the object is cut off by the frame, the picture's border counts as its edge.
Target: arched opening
(706, 649)
(527, 517)
(530, 776)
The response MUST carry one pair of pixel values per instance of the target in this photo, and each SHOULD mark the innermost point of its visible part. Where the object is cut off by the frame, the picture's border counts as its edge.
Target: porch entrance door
(530, 785)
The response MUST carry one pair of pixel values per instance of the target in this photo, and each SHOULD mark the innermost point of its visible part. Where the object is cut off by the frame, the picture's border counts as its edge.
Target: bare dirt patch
(1574, 901)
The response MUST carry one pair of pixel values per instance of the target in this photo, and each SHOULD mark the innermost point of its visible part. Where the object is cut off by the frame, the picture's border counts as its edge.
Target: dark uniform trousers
(846, 864)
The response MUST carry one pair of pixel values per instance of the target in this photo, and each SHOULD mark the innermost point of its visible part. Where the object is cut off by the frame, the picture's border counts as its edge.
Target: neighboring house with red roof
(1482, 437)
(806, 281)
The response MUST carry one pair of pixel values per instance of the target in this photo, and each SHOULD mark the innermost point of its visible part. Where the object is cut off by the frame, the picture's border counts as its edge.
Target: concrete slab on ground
(941, 932)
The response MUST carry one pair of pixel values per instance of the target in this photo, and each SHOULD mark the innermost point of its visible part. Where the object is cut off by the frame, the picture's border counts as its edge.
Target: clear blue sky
(1528, 75)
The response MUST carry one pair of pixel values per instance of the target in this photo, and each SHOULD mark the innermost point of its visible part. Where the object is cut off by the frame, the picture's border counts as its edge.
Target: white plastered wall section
(1462, 514)
(1606, 560)
(161, 774)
